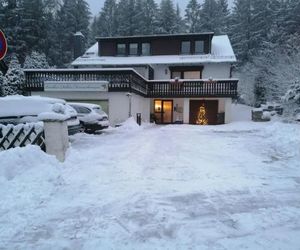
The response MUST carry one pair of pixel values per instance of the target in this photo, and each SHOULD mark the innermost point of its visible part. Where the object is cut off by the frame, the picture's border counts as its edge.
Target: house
(181, 78)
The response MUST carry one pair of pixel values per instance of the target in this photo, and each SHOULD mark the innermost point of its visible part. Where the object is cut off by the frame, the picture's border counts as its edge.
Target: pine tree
(1, 84)
(209, 16)
(127, 25)
(14, 78)
(241, 31)
(167, 17)
(149, 22)
(106, 23)
(192, 16)
(73, 16)
(10, 20)
(180, 25)
(36, 61)
(223, 17)
(33, 26)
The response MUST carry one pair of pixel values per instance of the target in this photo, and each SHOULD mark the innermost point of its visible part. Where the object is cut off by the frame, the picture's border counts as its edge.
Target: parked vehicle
(22, 109)
(91, 116)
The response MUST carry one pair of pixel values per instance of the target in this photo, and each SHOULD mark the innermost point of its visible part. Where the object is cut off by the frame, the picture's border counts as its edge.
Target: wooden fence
(21, 135)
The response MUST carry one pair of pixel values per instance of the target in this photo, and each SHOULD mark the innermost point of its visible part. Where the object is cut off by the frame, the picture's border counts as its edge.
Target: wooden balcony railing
(193, 88)
(119, 79)
(128, 80)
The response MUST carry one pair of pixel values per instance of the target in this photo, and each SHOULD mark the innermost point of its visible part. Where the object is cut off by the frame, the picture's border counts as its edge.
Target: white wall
(214, 70)
(141, 105)
(160, 72)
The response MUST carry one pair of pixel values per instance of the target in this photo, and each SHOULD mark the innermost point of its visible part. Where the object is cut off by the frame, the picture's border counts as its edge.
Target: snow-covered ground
(234, 186)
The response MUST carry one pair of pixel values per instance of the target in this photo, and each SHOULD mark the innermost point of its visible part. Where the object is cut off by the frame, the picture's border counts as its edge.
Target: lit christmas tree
(201, 119)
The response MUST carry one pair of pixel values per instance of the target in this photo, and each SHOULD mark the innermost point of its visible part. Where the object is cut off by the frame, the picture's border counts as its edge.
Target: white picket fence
(21, 135)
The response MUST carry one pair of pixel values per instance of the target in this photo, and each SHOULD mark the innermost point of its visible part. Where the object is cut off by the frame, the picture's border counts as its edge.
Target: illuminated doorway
(163, 110)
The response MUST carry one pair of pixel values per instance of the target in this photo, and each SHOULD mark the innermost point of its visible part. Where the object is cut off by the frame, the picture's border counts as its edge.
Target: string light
(201, 118)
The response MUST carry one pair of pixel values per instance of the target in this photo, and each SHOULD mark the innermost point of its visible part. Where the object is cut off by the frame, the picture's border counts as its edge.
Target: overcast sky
(96, 5)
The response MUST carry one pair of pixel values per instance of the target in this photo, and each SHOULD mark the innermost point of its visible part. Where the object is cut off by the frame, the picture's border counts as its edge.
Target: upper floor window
(133, 49)
(145, 49)
(186, 47)
(199, 47)
(121, 49)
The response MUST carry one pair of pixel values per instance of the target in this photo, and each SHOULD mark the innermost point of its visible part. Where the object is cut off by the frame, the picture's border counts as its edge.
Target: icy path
(235, 186)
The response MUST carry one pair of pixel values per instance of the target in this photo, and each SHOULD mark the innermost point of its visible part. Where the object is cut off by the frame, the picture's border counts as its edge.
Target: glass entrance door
(163, 111)
(167, 111)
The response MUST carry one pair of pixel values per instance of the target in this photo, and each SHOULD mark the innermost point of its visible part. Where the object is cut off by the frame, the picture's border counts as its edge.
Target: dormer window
(186, 47)
(199, 47)
(145, 49)
(133, 49)
(121, 49)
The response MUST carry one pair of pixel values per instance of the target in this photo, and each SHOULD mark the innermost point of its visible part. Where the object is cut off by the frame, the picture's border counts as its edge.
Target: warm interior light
(157, 106)
(201, 117)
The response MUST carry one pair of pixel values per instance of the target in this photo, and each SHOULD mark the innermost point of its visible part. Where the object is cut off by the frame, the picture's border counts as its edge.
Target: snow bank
(284, 139)
(241, 112)
(30, 160)
(129, 125)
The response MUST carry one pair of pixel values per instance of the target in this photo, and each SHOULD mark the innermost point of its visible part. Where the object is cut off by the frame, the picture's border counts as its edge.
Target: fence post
(56, 138)
(139, 118)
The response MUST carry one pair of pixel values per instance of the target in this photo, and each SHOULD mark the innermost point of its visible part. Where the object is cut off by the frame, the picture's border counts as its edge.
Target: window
(145, 49)
(133, 49)
(176, 74)
(199, 47)
(121, 49)
(81, 110)
(186, 47)
(186, 72)
(192, 75)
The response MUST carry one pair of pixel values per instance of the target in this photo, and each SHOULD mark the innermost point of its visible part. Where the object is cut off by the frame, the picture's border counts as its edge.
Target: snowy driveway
(235, 186)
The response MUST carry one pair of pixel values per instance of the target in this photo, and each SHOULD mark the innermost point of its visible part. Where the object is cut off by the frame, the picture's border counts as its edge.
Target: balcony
(128, 80)
(193, 88)
(119, 79)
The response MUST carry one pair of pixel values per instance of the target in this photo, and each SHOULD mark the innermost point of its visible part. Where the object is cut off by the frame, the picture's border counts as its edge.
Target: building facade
(184, 78)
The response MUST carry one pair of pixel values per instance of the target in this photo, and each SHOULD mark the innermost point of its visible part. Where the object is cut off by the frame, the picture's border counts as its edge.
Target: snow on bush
(14, 78)
(36, 61)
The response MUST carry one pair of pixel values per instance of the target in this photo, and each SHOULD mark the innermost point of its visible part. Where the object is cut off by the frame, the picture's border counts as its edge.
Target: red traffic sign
(3, 45)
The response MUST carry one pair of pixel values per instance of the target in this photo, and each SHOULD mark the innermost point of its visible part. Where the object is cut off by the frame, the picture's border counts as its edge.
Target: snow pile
(28, 176)
(21, 161)
(58, 113)
(266, 115)
(129, 125)
(241, 112)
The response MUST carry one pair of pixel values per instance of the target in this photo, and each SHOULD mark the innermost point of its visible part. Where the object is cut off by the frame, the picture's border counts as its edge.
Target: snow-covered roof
(221, 52)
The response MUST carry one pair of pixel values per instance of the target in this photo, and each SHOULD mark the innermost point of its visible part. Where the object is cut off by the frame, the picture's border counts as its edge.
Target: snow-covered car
(91, 116)
(22, 109)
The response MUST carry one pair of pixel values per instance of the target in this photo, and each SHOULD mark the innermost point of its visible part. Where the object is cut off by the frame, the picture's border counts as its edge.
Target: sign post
(3, 45)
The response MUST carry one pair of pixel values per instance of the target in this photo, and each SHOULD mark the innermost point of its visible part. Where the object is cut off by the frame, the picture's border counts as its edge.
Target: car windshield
(98, 110)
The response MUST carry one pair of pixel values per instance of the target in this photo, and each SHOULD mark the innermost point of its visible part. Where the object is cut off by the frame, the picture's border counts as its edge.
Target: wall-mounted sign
(3, 45)
(101, 86)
